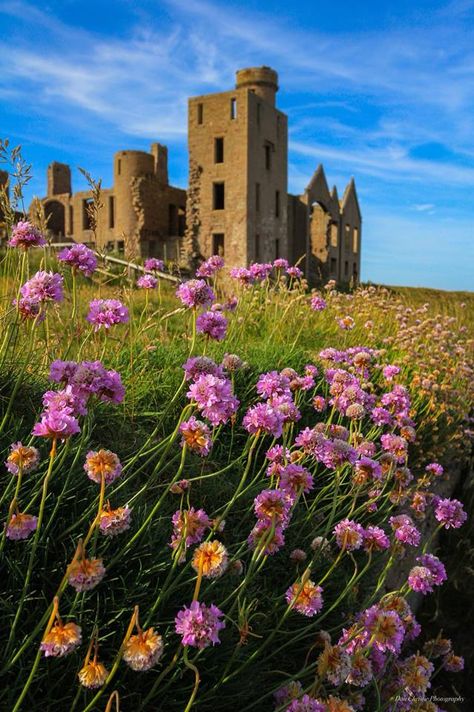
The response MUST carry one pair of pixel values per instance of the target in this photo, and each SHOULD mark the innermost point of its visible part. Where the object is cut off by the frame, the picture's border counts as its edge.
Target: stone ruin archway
(56, 218)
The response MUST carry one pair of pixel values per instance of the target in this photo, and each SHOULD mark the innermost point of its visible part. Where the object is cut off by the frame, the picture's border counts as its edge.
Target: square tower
(238, 156)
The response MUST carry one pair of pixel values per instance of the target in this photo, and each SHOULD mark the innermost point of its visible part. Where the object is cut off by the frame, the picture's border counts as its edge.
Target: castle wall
(267, 172)
(237, 203)
(238, 145)
(210, 118)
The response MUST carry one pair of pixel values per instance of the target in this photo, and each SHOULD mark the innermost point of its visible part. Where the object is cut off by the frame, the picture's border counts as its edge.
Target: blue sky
(381, 90)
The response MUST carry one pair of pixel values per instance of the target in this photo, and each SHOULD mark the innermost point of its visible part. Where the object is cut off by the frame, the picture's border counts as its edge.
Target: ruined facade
(238, 197)
(237, 204)
(141, 210)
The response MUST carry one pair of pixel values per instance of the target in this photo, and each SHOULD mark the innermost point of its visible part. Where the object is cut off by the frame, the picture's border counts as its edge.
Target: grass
(264, 644)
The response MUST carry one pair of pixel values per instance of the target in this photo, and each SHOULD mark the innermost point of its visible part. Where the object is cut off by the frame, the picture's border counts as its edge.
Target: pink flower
(272, 506)
(349, 535)
(56, 424)
(375, 539)
(79, 257)
(43, 287)
(213, 324)
(196, 436)
(262, 417)
(306, 598)
(195, 293)
(26, 235)
(106, 312)
(405, 530)
(147, 281)
(21, 526)
(210, 266)
(295, 479)
(199, 625)
(450, 513)
(213, 397)
(152, 264)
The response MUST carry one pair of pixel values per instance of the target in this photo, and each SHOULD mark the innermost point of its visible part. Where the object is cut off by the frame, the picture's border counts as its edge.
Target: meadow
(208, 486)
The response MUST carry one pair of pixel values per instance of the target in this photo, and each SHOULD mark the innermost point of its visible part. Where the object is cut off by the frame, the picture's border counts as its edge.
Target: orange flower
(92, 675)
(143, 650)
(210, 558)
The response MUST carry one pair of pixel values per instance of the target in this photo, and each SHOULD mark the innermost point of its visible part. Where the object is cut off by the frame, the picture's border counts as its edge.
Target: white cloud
(424, 207)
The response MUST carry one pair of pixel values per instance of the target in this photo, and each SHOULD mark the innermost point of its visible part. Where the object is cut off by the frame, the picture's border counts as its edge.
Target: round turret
(127, 166)
(261, 80)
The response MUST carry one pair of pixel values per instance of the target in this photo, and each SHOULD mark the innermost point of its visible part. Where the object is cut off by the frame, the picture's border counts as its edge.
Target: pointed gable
(317, 190)
(350, 203)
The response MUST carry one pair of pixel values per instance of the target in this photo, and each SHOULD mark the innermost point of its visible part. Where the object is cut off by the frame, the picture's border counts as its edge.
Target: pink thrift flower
(199, 625)
(79, 257)
(147, 281)
(107, 312)
(26, 235)
(450, 513)
(21, 526)
(195, 293)
(213, 324)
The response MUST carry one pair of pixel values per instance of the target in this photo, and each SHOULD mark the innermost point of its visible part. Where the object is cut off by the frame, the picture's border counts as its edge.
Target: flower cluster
(213, 324)
(210, 266)
(26, 235)
(147, 281)
(104, 313)
(195, 293)
(79, 257)
(214, 398)
(199, 625)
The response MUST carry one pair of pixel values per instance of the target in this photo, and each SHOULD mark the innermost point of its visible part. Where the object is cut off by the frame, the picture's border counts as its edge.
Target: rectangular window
(347, 238)
(219, 150)
(268, 155)
(277, 204)
(355, 240)
(333, 265)
(218, 196)
(86, 215)
(172, 219)
(119, 166)
(200, 113)
(111, 211)
(334, 234)
(233, 108)
(257, 197)
(257, 246)
(120, 246)
(277, 249)
(71, 220)
(346, 268)
(218, 244)
(181, 222)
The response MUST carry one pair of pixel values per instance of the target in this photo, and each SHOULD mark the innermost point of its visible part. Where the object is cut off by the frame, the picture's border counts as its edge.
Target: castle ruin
(237, 203)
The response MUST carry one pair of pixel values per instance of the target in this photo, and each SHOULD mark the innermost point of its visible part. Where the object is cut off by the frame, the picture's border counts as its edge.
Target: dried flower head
(22, 457)
(102, 463)
(142, 651)
(61, 640)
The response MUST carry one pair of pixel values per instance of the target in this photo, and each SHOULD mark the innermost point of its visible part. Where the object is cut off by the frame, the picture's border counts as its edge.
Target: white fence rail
(131, 266)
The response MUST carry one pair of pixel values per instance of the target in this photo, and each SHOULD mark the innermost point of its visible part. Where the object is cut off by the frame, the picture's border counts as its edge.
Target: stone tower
(238, 144)
(130, 168)
(59, 179)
